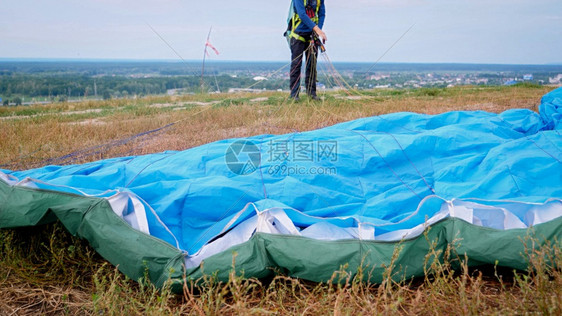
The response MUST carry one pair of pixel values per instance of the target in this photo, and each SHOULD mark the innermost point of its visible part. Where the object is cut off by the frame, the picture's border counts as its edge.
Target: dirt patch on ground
(175, 105)
(89, 122)
(351, 97)
(481, 107)
(81, 112)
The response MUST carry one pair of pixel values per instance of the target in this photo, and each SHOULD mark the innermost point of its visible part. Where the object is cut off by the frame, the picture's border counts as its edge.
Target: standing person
(308, 18)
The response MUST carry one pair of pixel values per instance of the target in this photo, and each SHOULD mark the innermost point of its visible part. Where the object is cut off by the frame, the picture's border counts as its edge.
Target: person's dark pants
(298, 49)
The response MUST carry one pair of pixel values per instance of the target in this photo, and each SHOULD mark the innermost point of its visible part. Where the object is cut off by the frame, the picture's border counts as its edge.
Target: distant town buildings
(555, 80)
(408, 79)
(379, 77)
(238, 90)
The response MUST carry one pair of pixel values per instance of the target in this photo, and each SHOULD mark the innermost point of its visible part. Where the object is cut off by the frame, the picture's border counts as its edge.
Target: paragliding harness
(293, 21)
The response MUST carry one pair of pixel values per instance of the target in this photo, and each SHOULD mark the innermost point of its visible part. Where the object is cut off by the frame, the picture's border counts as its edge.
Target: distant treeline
(193, 68)
(70, 85)
(61, 80)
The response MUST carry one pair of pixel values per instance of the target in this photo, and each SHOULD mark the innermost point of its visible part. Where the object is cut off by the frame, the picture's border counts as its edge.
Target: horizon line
(63, 59)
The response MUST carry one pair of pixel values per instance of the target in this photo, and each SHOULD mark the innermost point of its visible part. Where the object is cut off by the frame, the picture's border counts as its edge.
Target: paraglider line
(387, 164)
(391, 46)
(539, 147)
(411, 162)
(163, 40)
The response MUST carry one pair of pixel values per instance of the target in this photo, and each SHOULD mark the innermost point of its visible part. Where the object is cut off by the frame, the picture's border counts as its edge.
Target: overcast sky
(475, 31)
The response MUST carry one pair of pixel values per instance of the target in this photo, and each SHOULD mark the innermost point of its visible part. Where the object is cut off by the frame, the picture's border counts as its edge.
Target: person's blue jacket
(307, 24)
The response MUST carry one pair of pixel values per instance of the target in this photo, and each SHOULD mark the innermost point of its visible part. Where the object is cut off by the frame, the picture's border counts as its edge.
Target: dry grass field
(44, 270)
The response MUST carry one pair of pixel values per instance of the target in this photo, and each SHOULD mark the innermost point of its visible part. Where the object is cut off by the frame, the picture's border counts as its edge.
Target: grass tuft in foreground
(48, 271)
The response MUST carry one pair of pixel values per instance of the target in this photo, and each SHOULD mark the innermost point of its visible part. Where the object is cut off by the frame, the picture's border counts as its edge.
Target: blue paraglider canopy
(383, 178)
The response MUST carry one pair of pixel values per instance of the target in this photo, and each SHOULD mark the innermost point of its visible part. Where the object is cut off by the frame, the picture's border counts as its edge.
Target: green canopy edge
(136, 253)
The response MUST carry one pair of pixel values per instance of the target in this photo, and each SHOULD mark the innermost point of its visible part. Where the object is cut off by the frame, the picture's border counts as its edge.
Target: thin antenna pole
(204, 57)
(217, 83)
